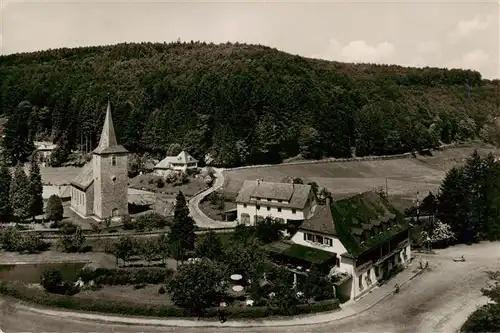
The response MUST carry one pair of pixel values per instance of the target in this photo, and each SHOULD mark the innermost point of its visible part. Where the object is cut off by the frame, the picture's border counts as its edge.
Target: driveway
(438, 300)
(198, 216)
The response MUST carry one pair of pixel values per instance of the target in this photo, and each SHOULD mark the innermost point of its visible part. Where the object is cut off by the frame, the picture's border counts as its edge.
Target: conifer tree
(36, 188)
(5, 179)
(17, 142)
(19, 194)
(181, 237)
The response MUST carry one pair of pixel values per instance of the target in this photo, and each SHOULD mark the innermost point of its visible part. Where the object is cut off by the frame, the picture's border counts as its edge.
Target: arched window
(113, 160)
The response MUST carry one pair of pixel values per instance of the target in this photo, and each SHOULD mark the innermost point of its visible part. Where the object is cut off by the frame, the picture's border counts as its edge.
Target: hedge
(125, 276)
(80, 303)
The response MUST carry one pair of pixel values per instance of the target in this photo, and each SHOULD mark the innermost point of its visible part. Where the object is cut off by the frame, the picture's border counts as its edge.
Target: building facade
(100, 191)
(369, 238)
(283, 201)
(44, 150)
(182, 162)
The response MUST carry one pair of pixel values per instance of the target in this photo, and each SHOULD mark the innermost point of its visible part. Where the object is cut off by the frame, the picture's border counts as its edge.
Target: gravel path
(437, 301)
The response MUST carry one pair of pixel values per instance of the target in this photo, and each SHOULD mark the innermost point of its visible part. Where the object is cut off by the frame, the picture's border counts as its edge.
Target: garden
(178, 273)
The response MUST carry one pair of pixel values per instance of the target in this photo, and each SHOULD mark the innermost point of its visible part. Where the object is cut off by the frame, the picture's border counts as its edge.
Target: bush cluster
(146, 222)
(126, 276)
(139, 309)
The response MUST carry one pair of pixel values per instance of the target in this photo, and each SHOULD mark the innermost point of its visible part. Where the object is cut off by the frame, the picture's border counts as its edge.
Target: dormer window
(113, 160)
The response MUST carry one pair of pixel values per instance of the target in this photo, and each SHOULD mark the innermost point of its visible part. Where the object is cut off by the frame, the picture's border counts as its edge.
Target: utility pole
(386, 189)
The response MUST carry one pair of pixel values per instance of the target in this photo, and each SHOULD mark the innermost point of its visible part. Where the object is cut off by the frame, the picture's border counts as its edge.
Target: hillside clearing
(404, 176)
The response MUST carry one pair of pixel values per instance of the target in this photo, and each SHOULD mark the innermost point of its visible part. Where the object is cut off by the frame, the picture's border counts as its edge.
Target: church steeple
(108, 142)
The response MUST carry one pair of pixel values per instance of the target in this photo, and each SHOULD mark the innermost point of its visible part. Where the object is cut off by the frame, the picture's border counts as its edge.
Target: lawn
(404, 176)
(146, 295)
(147, 182)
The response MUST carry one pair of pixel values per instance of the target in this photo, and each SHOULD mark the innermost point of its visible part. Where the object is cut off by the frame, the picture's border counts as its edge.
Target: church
(100, 191)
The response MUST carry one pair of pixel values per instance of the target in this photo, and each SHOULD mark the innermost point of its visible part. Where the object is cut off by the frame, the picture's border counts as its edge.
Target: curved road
(198, 216)
(437, 301)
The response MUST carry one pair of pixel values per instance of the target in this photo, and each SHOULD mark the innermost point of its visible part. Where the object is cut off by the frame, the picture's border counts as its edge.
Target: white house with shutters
(283, 201)
(182, 162)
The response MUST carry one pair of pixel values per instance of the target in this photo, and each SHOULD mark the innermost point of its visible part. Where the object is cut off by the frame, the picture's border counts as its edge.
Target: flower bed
(80, 303)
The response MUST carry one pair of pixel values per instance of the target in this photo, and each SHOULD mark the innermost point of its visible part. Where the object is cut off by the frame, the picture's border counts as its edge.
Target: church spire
(108, 137)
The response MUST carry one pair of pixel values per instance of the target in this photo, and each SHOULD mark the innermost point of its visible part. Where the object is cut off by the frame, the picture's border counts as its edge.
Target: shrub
(140, 309)
(127, 276)
(150, 221)
(128, 224)
(161, 290)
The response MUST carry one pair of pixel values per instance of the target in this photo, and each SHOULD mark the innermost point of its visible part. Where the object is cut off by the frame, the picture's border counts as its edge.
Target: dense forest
(241, 104)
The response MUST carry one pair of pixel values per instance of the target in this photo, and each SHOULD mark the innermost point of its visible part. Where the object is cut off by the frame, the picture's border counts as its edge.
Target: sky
(452, 34)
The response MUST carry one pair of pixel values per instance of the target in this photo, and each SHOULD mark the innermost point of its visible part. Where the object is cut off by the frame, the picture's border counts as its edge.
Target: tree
(124, 249)
(17, 142)
(174, 149)
(19, 194)
(33, 243)
(269, 230)
(317, 286)
(198, 286)
(35, 188)
(210, 246)
(72, 238)
(11, 239)
(148, 249)
(441, 234)
(136, 165)
(181, 237)
(309, 143)
(51, 280)
(163, 247)
(487, 317)
(5, 180)
(54, 210)
(285, 297)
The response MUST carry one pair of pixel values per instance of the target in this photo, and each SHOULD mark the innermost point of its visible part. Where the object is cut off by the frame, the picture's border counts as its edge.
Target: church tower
(109, 163)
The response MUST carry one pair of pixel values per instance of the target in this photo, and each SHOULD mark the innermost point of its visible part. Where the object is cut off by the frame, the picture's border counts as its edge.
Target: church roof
(108, 143)
(85, 178)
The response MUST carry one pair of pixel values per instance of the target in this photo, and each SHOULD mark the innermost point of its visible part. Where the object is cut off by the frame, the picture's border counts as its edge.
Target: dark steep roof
(85, 177)
(361, 214)
(107, 142)
(321, 222)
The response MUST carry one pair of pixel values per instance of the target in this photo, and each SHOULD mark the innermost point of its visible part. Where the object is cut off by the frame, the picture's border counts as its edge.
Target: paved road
(198, 216)
(437, 301)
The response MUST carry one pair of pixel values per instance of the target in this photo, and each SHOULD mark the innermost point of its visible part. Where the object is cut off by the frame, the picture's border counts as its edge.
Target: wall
(78, 200)
(251, 209)
(375, 274)
(337, 247)
(110, 194)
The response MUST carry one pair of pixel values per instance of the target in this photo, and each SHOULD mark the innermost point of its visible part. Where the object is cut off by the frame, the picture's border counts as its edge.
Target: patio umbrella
(236, 277)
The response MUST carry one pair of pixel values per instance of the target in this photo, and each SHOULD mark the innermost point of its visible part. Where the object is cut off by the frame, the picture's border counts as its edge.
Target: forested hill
(243, 104)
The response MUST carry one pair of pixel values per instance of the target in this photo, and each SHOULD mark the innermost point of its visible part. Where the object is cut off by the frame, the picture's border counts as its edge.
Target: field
(404, 176)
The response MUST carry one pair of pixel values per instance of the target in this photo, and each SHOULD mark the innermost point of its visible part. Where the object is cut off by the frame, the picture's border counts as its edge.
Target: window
(258, 207)
(257, 198)
(328, 241)
(113, 160)
(305, 236)
(268, 208)
(319, 239)
(268, 199)
(279, 210)
(294, 211)
(280, 201)
(310, 237)
(244, 205)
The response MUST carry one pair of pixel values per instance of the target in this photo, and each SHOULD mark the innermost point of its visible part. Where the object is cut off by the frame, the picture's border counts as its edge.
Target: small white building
(283, 201)
(362, 237)
(181, 162)
(44, 149)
